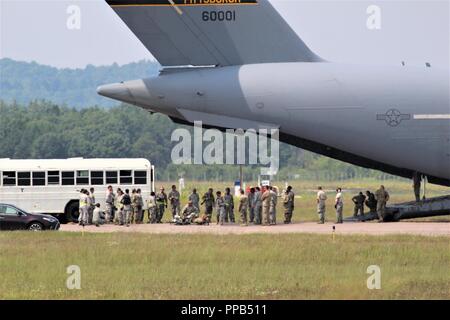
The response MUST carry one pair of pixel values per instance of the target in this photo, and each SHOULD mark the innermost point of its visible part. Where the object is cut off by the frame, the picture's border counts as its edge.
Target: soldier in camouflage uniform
(382, 197)
(109, 210)
(152, 208)
(265, 198)
(139, 207)
(118, 205)
(174, 198)
(321, 201)
(358, 200)
(189, 213)
(371, 202)
(195, 198)
(288, 203)
(208, 201)
(229, 206)
(273, 205)
(243, 205)
(133, 206)
(251, 208)
(220, 208)
(257, 204)
(161, 201)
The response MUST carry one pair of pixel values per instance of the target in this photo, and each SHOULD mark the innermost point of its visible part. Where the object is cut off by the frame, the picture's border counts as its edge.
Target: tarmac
(350, 228)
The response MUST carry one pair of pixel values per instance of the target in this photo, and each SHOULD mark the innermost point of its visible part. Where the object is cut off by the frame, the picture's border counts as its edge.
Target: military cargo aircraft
(238, 64)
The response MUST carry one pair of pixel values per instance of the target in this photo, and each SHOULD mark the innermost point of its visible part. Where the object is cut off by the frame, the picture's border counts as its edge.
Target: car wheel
(36, 226)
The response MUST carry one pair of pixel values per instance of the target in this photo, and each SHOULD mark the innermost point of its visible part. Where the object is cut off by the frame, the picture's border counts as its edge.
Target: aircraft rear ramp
(438, 206)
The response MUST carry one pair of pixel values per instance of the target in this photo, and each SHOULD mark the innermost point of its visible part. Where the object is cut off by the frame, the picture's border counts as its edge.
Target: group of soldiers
(376, 202)
(89, 210)
(121, 207)
(257, 206)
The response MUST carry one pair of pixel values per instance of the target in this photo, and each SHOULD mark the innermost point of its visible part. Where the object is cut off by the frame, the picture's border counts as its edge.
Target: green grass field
(305, 202)
(259, 266)
(290, 266)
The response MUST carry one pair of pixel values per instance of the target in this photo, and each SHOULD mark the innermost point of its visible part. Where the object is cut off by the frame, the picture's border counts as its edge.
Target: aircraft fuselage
(394, 119)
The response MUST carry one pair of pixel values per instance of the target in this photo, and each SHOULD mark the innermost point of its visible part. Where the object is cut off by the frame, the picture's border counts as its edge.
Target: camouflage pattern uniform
(195, 198)
(382, 197)
(265, 198)
(288, 202)
(243, 205)
(273, 207)
(358, 200)
(109, 207)
(91, 206)
(229, 207)
(208, 201)
(152, 209)
(220, 207)
(119, 207)
(257, 203)
(371, 202)
(174, 198)
(133, 217)
(139, 214)
(251, 210)
(189, 213)
(321, 199)
(126, 210)
(161, 201)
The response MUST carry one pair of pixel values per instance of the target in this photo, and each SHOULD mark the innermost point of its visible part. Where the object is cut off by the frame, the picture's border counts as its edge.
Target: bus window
(125, 177)
(140, 177)
(53, 177)
(38, 178)
(82, 177)
(111, 177)
(24, 178)
(9, 178)
(67, 178)
(97, 178)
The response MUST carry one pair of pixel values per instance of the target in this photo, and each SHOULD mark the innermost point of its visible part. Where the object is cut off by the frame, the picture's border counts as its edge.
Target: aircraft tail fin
(212, 32)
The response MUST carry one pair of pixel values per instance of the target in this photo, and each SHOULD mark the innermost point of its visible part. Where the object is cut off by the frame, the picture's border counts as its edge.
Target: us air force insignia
(393, 117)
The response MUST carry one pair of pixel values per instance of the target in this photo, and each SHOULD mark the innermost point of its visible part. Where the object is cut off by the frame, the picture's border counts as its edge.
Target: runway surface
(365, 228)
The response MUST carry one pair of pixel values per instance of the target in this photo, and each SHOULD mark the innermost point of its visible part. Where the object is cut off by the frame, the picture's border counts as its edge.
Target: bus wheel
(72, 211)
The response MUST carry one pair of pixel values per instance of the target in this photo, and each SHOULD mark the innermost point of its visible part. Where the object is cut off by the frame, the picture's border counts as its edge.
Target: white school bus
(52, 186)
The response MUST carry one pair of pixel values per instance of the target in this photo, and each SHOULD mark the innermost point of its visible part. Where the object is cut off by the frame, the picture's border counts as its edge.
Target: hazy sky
(414, 31)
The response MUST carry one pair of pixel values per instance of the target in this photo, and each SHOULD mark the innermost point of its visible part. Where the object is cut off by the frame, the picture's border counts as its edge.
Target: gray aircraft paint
(389, 118)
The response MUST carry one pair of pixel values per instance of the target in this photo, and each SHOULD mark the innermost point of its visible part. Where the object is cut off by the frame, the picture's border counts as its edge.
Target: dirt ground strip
(366, 228)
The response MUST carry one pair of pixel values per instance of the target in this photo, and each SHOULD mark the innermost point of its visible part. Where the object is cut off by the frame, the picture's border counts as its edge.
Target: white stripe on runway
(431, 116)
